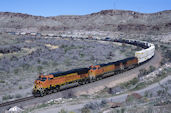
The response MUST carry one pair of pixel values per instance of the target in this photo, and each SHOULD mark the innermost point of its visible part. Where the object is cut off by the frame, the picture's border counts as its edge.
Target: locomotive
(46, 84)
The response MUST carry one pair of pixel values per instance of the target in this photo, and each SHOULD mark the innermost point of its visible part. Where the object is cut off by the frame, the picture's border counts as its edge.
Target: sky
(81, 7)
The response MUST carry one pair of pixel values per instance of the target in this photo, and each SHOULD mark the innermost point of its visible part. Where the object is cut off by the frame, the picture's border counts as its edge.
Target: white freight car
(145, 54)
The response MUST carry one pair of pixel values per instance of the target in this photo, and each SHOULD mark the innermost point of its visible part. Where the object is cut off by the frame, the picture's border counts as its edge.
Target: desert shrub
(69, 94)
(62, 46)
(42, 105)
(146, 93)
(151, 69)
(92, 105)
(162, 73)
(151, 94)
(39, 68)
(75, 57)
(7, 97)
(134, 81)
(68, 62)
(168, 55)
(18, 96)
(81, 55)
(85, 110)
(13, 58)
(111, 54)
(103, 102)
(9, 49)
(131, 82)
(110, 91)
(159, 92)
(71, 112)
(92, 58)
(54, 63)
(38, 60)
(45, 62)
(139, 86)
(16, 71)
(109, 57)
(20, 87)
(26, 66)
(2, 81)
(122, 110)
(142, 72)
(122, 50)
(62, 111)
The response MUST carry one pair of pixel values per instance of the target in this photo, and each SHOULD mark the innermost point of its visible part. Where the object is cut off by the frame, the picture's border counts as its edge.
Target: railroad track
(24, 101)
(16, 101)
(10, 103)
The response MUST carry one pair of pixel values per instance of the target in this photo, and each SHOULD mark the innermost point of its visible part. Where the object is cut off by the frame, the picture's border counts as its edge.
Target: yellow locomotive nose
(37, 85)
(92, 72)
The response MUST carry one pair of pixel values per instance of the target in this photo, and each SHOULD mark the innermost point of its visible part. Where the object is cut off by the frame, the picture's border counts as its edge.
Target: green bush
(16, 71)
(54, 64)
(134, 81)
(152, 68)
(18, 96)
(131, 82)
(2, 81)
(20, 87)
(42, 105)
(122, 110)
(39, 68)
(142, 72)
(139, 86)
(85, 110)
(62, 111)
(7, 97)
(26, 66)
(81, 55)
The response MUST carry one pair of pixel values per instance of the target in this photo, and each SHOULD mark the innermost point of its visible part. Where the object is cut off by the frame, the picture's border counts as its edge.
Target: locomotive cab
(40, 84)
(95, 71)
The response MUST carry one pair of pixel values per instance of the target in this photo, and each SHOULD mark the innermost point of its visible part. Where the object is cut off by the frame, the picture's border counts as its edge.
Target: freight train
(46, 84)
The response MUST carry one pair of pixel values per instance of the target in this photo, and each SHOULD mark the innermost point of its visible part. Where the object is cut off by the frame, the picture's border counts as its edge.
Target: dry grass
(51, 46)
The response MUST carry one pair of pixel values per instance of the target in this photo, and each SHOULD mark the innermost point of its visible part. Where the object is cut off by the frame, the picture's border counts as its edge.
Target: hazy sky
(81, 7)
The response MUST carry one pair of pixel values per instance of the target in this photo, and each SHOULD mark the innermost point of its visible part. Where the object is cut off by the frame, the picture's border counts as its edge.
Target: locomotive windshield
(42, 79)
(94, 68)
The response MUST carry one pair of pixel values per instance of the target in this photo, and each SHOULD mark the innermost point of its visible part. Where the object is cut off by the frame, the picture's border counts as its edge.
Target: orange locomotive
(102, 70)
(51, 83)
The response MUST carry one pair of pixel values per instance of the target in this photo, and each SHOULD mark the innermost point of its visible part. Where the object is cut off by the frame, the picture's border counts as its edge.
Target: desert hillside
(105, 20)
(33, 45)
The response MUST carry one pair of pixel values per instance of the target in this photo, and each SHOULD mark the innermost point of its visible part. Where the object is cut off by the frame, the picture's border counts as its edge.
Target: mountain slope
(105, 20)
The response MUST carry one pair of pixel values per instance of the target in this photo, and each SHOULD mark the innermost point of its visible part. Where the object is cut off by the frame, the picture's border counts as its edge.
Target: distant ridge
(100, 12)
(105, 20)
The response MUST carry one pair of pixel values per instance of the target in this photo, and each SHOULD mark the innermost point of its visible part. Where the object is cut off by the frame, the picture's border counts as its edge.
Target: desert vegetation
(23, 58)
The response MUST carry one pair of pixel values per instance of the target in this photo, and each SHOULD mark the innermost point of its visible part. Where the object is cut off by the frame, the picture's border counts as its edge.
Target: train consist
(46, 84)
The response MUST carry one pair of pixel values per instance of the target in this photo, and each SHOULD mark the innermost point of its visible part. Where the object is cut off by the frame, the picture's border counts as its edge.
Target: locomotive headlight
(37, 86)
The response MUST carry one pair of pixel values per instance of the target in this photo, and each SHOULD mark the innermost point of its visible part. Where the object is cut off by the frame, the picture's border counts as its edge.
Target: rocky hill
(105, 20)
